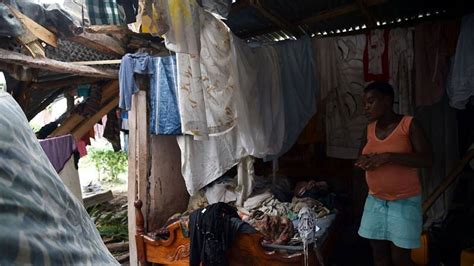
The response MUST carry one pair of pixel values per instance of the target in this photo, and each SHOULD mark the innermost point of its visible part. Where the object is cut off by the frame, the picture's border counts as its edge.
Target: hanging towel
(164, 114)
(299, 88)
(59, 150)
(461, 85)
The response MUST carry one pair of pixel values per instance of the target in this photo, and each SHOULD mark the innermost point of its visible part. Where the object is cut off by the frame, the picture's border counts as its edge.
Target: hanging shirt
(131, 64)
(164, 113)
(461, 83)
(59, 150)
(104, 12)
(376, 56)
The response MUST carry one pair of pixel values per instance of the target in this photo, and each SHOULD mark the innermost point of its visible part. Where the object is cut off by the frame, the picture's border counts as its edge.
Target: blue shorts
(398, 221)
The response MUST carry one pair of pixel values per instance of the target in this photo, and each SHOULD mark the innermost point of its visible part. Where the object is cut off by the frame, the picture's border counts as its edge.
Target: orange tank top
(391, 181)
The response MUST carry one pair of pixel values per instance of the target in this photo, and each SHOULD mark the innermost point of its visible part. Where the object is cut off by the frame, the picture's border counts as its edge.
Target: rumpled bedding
(41, 222)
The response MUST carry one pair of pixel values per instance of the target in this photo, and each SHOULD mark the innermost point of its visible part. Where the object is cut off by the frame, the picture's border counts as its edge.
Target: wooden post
(138, 166)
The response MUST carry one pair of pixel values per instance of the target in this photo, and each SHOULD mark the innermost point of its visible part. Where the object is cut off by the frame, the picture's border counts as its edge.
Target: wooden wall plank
(132, 180)
(138, 165)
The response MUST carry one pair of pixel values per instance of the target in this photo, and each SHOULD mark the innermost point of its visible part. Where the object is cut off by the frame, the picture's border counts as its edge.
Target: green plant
(108, 162)
(110, 222)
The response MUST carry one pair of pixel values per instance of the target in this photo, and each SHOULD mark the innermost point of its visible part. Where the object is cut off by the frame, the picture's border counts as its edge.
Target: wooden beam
(74, 81)
(99, 62)
(100, 42)
(276, 19)
(21, 94)
(67, 125)
(346, 9)
(55, 66)
(108, 29)
(132, 182)
(97, 198)
(76, 122)
(88, 123)
(35, 29)
(32, 112)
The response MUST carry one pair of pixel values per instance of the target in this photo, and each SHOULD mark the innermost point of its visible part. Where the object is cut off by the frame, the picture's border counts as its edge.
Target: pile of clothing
(277, 218)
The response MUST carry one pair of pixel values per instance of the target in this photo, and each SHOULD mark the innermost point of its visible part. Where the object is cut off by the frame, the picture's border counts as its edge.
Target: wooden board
(101, 197)
(55, 66)
(88, 123)
(100, 42)
(137, 170)
(35, 29)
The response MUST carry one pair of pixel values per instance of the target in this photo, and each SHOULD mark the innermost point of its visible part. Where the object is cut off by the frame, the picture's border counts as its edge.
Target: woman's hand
(371, 161)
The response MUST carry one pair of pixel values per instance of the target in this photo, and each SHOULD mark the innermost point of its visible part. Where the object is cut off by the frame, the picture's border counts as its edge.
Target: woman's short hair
(382, 87)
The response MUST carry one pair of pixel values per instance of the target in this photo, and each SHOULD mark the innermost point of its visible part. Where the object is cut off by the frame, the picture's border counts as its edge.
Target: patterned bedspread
(41, 222)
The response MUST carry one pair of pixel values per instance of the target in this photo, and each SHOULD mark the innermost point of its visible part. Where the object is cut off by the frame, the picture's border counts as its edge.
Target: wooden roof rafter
(56, 66)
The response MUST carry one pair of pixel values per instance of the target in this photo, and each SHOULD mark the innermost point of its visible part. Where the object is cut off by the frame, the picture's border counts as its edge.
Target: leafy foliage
(111, 223)
(109, 163)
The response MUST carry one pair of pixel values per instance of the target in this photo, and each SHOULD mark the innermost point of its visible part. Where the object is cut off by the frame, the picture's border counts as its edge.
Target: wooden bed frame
(246, 249)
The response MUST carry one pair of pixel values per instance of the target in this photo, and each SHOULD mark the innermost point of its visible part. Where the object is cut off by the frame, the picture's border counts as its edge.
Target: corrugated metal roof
(332, 17)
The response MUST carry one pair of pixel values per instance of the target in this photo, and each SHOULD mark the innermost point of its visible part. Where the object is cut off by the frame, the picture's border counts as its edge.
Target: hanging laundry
(59, 150)
(183, 24)
(112, 130)
(131, 64)
(149, 20)
(376, 56)
(299, 88)
(344, 118)
(460, 87)
(325, 52)
(259, 99)
(435, 43)
(130, 8)
(220, 8)
(104, 12)
(245, 180)
(400, 57)
(164, 113)
(205, 161)
(206, 86)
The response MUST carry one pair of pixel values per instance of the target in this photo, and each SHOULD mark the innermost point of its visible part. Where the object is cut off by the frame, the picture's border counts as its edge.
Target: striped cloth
(105, 12)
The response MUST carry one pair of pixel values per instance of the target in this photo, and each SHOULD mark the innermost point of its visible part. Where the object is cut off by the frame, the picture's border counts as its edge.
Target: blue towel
(164, 118)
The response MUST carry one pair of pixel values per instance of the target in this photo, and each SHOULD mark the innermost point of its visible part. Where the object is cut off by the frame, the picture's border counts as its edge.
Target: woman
(394, 147)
